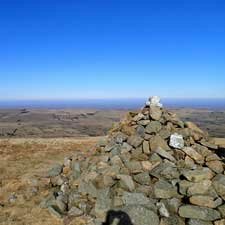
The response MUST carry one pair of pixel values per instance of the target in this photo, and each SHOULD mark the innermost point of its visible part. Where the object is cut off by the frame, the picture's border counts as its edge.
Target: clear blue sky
(111, 48)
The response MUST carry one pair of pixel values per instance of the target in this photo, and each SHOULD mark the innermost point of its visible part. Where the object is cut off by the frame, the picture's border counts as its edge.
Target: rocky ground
(23, 164)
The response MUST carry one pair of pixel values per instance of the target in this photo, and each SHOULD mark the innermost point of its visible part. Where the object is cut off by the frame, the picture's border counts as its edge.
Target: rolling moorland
(57, 123)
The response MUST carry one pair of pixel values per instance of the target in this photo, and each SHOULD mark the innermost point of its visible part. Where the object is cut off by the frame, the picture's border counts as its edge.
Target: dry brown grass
(22, 162)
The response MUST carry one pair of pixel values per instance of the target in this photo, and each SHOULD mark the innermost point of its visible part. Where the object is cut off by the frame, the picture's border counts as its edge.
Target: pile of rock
(154, 167)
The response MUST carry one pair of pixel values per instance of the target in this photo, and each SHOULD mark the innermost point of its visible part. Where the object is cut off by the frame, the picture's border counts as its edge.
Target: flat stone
(212, 157)
(142, 178)
(143, 122)
(126, 148)
(220, 222)
(205, 201)
(55, 170)
(166, 170)
(74, 211)
(148, 166)
(153, 127)
(126, 182)
(189, 163)
(172, 204)
(146, 148)
(219, 185)
(102, 142)
(222, 210)
(196, 212)
(216, 166)
(141, 216)
(194, 128)
(103, 202)
(138, 117)
(140, 130)
(156, 142)
(155, 112)
(209, 145)
(165, 154)
(172, 220)
(120, 138)
(201, 187)
(193, 154)
(183, 186)
(134, 166)
(176, 141)
(135, 199)
(163, 189)
(87, 188)
(55, 211)
(198, 174)
(164, 133)
(135, 141)
(198, 222)
(76, 171)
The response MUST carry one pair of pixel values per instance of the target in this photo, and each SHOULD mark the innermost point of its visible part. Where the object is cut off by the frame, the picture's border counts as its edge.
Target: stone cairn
(152, 166)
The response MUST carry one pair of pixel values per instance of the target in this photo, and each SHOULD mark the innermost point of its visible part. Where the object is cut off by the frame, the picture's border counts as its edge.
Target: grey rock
(126, 182)
(134, 166)
(198, 174)
(126, 148)
(103, 202)
(165, 154)
(102, 142)
(135, 199)
(176, 141)
(55, 211)
(143, 122)
(156, 142)
(164, 133)
(222, 210)
(165, 170)
(163, 189)
(135, 141)
(55, 170)
(74, 211)
(153, 127)
(141, 216)
(61, 205)
(198, 222)
(201, 187)
(196, 212)
(219, 185)
(76, 171)
(87, 188)
(172, 220)
(205, 201)
(193, 154)
(140, 131)
(142, 178)
(155, 112)
(209, 145)
(120, 138)
(146, 148)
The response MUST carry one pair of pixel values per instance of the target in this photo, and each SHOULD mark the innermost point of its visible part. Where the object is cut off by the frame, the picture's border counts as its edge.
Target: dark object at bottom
(123, 217)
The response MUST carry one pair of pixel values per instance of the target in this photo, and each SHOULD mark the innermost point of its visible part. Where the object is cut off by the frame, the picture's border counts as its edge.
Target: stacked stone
(153, 166)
